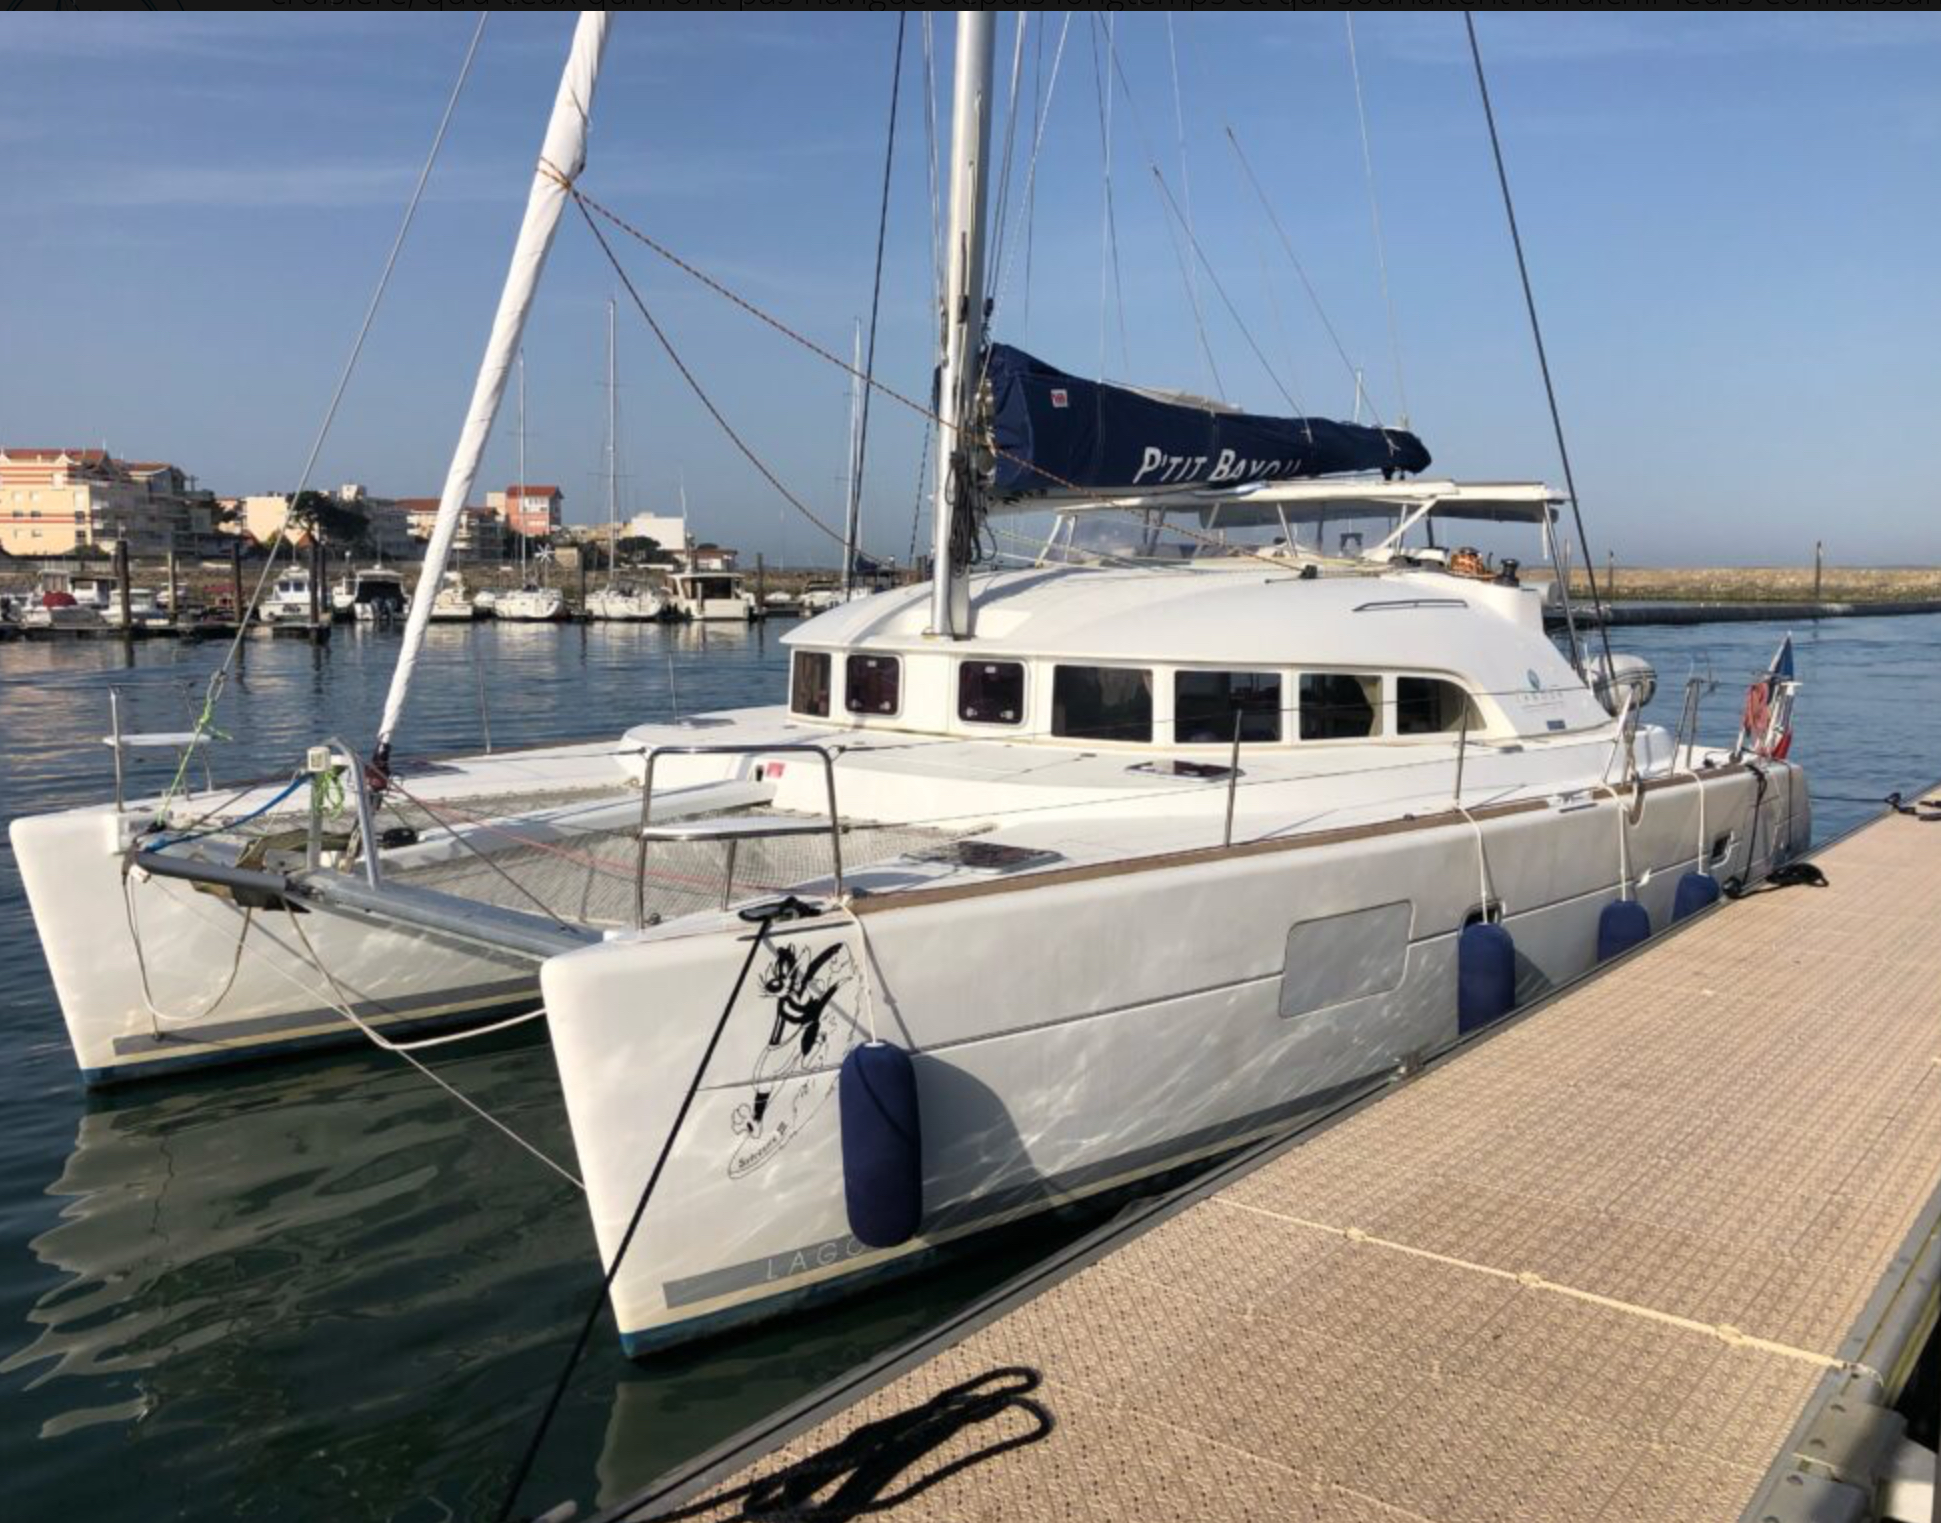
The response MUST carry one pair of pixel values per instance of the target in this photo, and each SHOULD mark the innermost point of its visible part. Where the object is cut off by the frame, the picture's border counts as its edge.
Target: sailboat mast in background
(613, 436)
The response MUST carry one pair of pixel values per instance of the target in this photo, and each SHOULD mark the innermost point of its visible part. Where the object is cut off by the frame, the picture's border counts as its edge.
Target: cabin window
(809, 684)
(1340, 706)
(990, 692)
(1101, 703)
(1205, 703)
(1430, 706)
(872, 684)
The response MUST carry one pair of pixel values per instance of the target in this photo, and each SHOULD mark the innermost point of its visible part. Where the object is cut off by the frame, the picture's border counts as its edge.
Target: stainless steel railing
(653, 755)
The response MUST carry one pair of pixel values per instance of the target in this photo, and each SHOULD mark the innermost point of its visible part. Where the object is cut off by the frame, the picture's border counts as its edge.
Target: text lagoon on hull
(1086, 869)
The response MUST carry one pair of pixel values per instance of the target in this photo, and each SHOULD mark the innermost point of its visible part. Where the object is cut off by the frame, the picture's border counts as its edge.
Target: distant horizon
(1725, 255)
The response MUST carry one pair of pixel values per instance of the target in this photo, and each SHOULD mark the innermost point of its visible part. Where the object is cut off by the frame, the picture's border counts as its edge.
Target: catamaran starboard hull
(1194, 1002)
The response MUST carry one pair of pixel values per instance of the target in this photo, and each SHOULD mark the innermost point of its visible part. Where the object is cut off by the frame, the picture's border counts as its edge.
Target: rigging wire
(1543, 363)
(1287, 246)
(1037, 135)
(588, 207)
(930, 149)
(1375, 216)
(688, 375)
(1003, 267)
(1001, 219)
(875, 305)
(1171, 205)
(1109, 279)
(219, 679)
(1186, 191)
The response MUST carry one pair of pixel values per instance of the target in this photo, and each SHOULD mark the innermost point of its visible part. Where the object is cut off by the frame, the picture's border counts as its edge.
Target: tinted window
(991, 692)
(809, 683)
(1204, 705)
(1428, 706)
(1101, 703)
(871, 684)
(1338, 706)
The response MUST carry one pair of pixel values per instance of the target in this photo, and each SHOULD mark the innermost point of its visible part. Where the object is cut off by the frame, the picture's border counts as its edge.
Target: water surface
(320, 1290)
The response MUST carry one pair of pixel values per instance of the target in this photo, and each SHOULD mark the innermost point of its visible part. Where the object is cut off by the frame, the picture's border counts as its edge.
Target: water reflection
(270, 1285)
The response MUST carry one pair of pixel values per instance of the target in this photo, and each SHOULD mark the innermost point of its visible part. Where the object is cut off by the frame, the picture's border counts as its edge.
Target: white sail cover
(564, 154)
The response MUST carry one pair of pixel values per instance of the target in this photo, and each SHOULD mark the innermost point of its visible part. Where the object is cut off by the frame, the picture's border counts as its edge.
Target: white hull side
(1154, 1034)
(71, 866)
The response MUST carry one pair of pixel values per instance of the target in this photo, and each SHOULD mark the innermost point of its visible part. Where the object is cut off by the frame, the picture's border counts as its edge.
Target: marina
(1235, 977)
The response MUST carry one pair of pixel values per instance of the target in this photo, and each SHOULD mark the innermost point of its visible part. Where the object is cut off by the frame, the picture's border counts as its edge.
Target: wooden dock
(1662, 1248)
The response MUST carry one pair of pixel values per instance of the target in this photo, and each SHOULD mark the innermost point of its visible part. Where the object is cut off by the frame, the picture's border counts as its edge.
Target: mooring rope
(762, 919)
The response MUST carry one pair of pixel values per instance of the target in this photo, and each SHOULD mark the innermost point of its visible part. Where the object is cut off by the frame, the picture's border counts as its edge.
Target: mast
(612, 445)
(963, 321)
(519, 490)
(852, 524)
(563, 154)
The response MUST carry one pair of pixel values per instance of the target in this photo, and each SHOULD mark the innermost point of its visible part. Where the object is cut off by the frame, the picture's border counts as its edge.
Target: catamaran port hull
(1073, 1031)
(155, 975)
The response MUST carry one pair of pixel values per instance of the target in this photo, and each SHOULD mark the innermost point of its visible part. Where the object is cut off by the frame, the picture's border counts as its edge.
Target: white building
(665, 530)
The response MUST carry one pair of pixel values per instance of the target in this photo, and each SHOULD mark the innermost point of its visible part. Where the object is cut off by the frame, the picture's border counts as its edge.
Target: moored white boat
(710, 595)
(453, 603)
(623, 604)
(1131, 855)
(289, 599)
(530, 604)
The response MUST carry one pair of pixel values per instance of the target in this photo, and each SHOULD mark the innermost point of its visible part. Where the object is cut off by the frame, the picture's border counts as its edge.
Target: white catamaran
(1042, 880)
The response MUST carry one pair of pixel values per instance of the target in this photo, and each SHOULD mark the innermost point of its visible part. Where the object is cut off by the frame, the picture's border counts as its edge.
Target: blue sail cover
(1055, 432)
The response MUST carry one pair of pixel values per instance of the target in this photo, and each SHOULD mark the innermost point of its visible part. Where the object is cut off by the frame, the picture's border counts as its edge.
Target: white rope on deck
(1724, 1332)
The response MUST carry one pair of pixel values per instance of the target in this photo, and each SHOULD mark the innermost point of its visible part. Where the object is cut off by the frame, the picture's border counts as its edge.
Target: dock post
(174, 602)
(761, 581)
(317, 564)
(583, 550)
(121, 585)
(236, 579)
(1819, 565)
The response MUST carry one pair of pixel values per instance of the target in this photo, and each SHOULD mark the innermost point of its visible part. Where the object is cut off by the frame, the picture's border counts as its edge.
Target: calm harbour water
(319, 1290)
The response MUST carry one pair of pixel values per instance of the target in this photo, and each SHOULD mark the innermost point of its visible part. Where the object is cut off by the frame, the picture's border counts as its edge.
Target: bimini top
(1058, 434)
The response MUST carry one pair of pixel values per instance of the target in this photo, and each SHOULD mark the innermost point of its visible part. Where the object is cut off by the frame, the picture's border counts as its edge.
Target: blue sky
(1732, 220)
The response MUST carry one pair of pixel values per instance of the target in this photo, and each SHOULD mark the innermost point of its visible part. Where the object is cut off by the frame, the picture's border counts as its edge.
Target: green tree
(331, 520)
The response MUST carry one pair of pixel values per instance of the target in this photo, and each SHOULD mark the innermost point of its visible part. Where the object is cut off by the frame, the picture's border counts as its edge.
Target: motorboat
(147, 609)
(1043, 880)
(289, 600)
(711, 595)
(370, 595)
(60, 610)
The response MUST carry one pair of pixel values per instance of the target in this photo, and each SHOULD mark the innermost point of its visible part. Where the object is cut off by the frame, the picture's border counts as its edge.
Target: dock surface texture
(1595, 1266)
